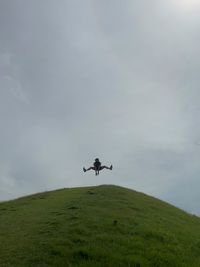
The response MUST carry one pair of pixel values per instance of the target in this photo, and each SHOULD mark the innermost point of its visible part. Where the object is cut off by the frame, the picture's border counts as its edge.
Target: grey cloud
(114, 80)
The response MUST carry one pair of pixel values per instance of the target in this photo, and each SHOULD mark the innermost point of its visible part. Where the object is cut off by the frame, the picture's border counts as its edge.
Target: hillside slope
(100, 226)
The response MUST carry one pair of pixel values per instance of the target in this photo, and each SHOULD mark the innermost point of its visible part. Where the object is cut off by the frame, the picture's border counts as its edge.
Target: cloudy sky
(118, 80)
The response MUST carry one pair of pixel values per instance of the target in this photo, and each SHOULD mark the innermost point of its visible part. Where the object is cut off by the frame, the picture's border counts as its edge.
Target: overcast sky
(118, 80)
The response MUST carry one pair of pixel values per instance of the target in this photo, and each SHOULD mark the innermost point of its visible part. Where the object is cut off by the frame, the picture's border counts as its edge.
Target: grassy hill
(100, 226)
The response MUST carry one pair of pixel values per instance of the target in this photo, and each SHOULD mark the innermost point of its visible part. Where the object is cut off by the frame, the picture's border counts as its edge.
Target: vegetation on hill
(104, 226)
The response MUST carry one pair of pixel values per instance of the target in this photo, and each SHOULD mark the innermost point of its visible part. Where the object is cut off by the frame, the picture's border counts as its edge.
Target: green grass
(100, 226)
